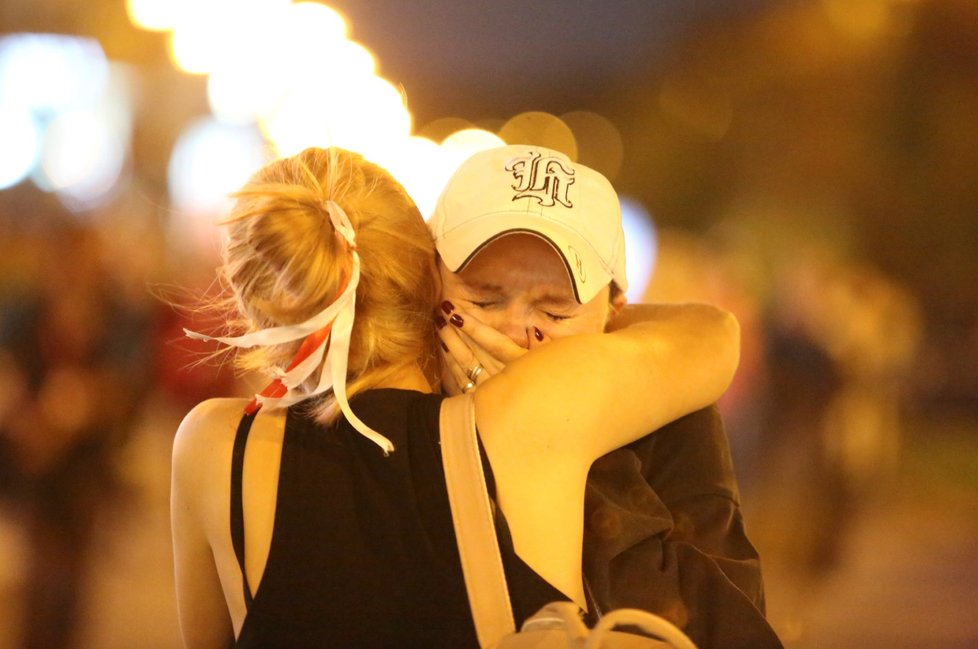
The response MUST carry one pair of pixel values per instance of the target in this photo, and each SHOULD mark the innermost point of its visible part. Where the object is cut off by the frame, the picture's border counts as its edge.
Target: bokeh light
(438, 129)
(416, 162)
(641, 246)
(197, 45)
(312, 22)
(860, 19)
(599, 144)
(65, 118)
(157, 15)
(82, 157)
(20, 136)
(367, 116)
(542, 129)
(50, 72)
(210, 160)
(459, 146)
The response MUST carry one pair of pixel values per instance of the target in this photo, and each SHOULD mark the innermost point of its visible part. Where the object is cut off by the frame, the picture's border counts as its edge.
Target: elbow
(730, 345)
(718, 346)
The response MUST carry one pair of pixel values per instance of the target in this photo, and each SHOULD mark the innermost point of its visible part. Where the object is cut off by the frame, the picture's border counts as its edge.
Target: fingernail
(456, 320)
(537, 334)
(440, 321)
(447, 306)
(443, 345)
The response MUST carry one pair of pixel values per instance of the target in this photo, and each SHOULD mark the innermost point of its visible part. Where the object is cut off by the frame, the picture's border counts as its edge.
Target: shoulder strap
(475, 530)
(237, 506)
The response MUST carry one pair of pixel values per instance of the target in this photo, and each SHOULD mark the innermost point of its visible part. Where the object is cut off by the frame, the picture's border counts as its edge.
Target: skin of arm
(631, 314)
(548, 415)
(203, 612)
(565, 390)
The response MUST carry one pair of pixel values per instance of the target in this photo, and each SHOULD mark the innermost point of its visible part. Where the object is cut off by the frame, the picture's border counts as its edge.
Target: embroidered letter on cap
(542, 178)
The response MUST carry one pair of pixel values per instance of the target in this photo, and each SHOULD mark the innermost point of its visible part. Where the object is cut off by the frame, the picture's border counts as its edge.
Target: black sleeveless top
(363, 549)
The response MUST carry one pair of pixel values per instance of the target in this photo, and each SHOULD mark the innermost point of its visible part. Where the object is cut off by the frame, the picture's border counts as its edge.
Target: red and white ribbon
(332, 328)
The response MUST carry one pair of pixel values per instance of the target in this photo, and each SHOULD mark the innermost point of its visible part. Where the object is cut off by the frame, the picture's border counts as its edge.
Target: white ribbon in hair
(333, 375)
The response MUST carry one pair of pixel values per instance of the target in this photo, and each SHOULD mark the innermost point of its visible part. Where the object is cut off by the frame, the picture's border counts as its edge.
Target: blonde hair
(283, 263)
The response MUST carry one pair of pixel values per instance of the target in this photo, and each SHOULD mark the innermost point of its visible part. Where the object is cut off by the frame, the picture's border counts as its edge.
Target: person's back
(382, 554)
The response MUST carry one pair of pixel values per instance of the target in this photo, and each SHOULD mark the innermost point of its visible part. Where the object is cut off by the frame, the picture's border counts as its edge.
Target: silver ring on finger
(468, 386)
(474, 372)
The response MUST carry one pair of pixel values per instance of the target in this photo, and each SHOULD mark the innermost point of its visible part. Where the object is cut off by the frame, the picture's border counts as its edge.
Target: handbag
(558, 624)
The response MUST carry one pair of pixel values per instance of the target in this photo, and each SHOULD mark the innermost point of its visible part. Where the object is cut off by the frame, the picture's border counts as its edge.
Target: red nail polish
(443, 345)
(440, 321)
(456, 320)
(537, 334)
(447, 306)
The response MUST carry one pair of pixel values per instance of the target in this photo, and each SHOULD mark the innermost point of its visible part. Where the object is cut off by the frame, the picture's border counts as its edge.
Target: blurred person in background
(531, 247)
(841, 339)
(338, 535)
(71, 377)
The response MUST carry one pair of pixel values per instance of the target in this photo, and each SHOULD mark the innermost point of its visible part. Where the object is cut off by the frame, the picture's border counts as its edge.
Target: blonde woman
(316, 514)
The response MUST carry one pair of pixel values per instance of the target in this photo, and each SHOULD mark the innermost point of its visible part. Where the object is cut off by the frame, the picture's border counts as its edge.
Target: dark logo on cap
(544, 179)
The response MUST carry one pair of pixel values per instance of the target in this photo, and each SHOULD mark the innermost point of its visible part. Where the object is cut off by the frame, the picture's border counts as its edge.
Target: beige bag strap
(482, 565)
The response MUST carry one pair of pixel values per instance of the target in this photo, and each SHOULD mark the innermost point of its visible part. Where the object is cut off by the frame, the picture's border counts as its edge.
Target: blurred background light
(861, 19)
(198, 41)
(365, 114)
(258, 63)
(599, 143)
(20, 137)
(157, 15)
(459, 146)
(438, 129)
(65, 117)
(210, 160)
(312, 22)
(641, 247)
(416, 162)
(542, 129)
(51, 72)
(82, 157)
(378, 118)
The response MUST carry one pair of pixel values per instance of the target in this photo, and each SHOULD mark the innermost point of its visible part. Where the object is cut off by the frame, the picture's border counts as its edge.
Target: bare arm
(590, 394)
(549, 414)
(204, 619)
(631, 314)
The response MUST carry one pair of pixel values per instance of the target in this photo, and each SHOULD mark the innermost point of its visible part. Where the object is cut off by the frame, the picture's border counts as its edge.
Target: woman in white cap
(316, 514)
(531, 250)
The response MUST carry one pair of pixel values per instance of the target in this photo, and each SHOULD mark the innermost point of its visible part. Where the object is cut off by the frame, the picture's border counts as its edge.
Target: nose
(517, 333)
(514, 324)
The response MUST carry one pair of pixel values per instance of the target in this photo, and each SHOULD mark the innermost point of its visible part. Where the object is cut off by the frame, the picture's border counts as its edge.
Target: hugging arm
(548, 415)
(684, 355)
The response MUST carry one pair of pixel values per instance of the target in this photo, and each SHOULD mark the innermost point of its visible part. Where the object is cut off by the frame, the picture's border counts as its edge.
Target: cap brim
(584, 269)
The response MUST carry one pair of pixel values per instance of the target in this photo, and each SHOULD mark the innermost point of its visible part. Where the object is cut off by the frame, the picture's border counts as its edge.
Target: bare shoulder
(207, 422)
(204, 437)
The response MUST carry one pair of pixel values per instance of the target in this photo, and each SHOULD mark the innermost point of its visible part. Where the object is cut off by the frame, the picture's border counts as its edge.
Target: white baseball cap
(531, 189)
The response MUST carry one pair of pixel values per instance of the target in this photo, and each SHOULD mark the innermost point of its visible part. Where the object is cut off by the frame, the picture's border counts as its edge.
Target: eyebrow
(545, 298)
(483, 287)
(555, 300)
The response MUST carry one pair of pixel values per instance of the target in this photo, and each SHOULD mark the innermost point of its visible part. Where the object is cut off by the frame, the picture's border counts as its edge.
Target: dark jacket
(664, 533)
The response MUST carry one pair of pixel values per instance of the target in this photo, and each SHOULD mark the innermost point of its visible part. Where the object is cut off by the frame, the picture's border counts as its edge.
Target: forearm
(632, 314)
(652, 372)
(697, 350)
